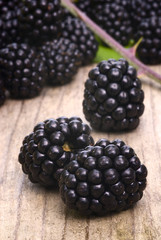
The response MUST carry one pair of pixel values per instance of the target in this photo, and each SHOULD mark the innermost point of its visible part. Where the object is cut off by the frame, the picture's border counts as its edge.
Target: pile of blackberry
(144, 9)
(124, 21)
(113, 98)
(98, 179)
(35, 48)
(52, 144)
(103, 178)
(112, 16)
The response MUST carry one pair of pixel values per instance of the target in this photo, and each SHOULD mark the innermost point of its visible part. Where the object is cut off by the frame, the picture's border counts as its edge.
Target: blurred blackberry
(142, 9)
(75, 30)
(51, 145)
(40, 20)
(84, 6)
(9, 26)
(66, 14)
(115, 20)
(113, 98)
(62, 60)
(103, 178)
(149, 50)
(2, 92)
(23, 72)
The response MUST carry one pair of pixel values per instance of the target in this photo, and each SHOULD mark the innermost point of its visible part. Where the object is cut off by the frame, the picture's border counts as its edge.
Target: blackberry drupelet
(51, 145)
(62, 60)
(103, 178)
(23, 72)
(85, 6)
(142, 9)
(149, 50)
(2, 92)
(115, 20)
(113, 98)
(75, 30)
(40, 20)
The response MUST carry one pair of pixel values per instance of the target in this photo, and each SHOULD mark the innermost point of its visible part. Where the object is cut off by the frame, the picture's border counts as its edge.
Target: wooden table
(30, 212)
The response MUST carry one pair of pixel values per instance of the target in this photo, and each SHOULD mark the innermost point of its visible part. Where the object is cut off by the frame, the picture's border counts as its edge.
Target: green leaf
(104, 53)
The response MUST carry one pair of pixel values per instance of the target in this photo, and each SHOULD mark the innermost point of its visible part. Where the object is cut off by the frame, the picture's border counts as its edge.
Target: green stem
(111, 42)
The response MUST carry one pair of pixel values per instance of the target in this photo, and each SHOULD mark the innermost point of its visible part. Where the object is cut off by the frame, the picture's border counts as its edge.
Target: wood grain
(30, 212)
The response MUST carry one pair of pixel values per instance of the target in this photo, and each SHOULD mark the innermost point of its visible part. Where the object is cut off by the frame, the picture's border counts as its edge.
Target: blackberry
(113, 98)
(149, 50)
(23, 72)
(103, 178)
(9, 26)
(142, 9)
(62, 60)
(51, 145)
(75, 30)
(115, 20)
(2, 92)
(40, 20)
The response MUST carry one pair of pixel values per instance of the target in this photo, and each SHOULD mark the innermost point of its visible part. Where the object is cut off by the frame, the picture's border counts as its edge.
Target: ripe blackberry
(51, 145)
(75, 30)
(40, 20)
(9, 27)
(103, 178)
(2, 92)
(142, 9)
(149, 50)
(62, 60)
(115, 20)
(23, 72)
(113, 98)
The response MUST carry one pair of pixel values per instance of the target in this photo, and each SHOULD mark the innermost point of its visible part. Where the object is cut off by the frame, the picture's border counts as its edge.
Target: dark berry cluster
(62, 59)
(115, 20)
(75, 30)
(144, 9)
(39, 43)
(9, 22)
(100, 178)
(105, 177)
(40, 20)
(124, 19)
(149, 50)
(51, 145)
(24, 73)
(113, 98)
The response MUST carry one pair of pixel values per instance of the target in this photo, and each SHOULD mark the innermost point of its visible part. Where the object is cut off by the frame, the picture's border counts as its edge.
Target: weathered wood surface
(30, 212)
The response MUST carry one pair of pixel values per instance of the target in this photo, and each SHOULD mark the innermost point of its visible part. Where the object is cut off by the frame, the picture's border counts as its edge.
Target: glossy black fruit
(115, 20)
(40, 20)
(62, 59)
(75, 30)
(103, 178)
(51, 145)
(113, 98)
(143, 9)
(24, 73)
(149, 50)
